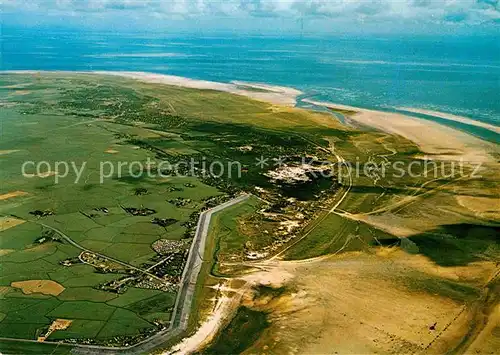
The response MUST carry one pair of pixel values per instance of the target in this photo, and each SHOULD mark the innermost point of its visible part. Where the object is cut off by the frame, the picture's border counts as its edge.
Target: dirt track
(184, 299)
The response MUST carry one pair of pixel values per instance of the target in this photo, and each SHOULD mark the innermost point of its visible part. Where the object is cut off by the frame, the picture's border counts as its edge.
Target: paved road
(75, 244)
(195, 260)
(182, 307)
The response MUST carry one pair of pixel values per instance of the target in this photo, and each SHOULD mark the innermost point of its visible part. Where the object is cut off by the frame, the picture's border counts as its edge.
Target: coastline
(277, 95)
(439, 141)
(273, 94)
(451, 117)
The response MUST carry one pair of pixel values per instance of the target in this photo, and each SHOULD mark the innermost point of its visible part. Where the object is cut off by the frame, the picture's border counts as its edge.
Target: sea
(453, 74)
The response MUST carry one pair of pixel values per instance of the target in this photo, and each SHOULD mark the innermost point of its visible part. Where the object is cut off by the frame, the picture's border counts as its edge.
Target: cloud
(426, 11)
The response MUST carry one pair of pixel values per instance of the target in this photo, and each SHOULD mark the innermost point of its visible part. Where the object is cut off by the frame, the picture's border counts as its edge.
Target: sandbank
(439, 142)
(451, 117)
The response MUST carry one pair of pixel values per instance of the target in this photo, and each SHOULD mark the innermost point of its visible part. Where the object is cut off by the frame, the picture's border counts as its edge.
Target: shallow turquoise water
(460, 75)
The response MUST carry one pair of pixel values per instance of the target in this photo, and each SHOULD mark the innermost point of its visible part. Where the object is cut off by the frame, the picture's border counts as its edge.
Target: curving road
(341, 162)
(75, 244)
(182, 307)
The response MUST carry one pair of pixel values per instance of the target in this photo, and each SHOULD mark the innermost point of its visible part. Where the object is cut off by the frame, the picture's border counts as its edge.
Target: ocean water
(459, 75)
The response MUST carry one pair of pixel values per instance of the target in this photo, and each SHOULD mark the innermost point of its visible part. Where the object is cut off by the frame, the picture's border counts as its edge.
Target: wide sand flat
(438, 141)
(359, 304)
(451, 117)
(488, 340)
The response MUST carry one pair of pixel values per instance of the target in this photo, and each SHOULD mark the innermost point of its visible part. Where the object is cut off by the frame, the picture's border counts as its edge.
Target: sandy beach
(438, 141)
(379, 299)
(278, 95)
(273, 94)
(449, 116)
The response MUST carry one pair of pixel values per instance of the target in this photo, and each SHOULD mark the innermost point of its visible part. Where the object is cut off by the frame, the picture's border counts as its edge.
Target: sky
(263, 16)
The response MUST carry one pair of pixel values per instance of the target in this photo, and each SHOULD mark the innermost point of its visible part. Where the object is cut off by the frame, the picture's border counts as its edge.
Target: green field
(87, 120)
(335, 234)
(227, 232)
(15, 347)
(32, 131)
(80, 246)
